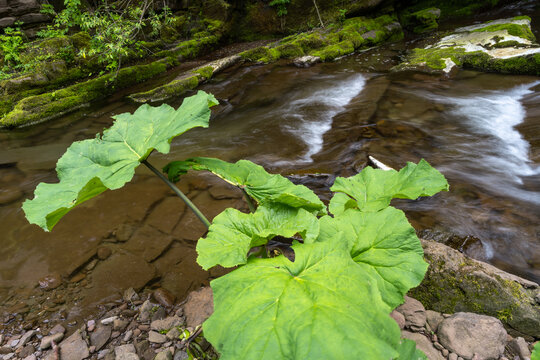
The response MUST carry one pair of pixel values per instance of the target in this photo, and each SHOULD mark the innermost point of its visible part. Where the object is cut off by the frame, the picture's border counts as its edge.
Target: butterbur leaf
(536, 352)
(253, 178)
(384, 245)
(233, 233)
(92, 166)
(373, 189)
(321, 306)
(408, 351)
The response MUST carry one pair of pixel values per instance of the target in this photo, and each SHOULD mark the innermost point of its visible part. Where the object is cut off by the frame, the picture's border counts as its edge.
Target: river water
(482, 131)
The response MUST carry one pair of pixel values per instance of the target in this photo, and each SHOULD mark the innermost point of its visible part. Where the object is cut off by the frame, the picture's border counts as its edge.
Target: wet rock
(74, 347)
(468, 334)
(124, 232)
(27, 351)
(423, 344)
(46, 341)
(455, 282)
(130, 295)
(25, 338)
(91, 325)
(78, 277)
(166, 214)
(433, 319)
(519, 347)
(225, 191)
(120, 271)
(306, 61)
(159, 314)
(414, 313)
(126, 352)
(164, 297)
(145, 311)
(199, 306)
(149, 243)
(103, 252)
(120, 325)
(173, 334)
(50, 282)
(166, 324)
(100, 336)
(164, 355)
(181, 355)
(155, 337)
(109, 320)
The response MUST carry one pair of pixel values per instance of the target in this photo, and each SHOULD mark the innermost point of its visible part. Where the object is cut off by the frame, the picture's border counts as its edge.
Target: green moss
(81, 40)
(522, 31)
(334, 51)
(53, 104)
(435, 58)
(520, 65)
(523, 17)
(309, 41)
(206, 72)
(290, 50)
(167, 91)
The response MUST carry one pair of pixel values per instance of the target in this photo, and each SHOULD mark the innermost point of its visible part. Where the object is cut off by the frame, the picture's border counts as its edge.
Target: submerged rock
(505, 46)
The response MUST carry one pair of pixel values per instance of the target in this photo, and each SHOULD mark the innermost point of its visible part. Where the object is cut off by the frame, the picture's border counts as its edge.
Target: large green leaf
(90, 167)
(233, 233)
(536, 351)
(253, 178)
(384, 245)
(321, 306)
(373, 189)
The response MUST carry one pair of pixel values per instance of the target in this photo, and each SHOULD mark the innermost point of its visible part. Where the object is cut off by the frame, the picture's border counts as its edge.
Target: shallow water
(482, 131)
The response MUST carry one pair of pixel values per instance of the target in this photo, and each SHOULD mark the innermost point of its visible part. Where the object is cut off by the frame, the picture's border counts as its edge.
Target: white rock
(109, 320)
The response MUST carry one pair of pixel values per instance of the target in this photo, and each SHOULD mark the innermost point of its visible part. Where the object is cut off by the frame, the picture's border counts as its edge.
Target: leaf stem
(249, 201)
(180, 194)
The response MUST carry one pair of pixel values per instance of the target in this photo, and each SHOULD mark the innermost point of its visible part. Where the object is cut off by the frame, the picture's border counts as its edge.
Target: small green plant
(11, 45)
(341, 16)
(281, 6)
(312, 282)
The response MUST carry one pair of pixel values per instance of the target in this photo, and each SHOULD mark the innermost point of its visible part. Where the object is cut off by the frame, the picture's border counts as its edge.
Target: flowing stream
(481, 130)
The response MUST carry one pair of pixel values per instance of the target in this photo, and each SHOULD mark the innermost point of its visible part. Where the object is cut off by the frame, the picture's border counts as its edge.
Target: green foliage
(90, 167)
(536, 351)
(254, 180)
(372, 189)
(281, 6)
(11, 45)
(233, 233)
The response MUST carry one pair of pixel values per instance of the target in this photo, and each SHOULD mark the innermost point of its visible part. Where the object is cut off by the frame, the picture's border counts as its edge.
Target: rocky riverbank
(154, 327)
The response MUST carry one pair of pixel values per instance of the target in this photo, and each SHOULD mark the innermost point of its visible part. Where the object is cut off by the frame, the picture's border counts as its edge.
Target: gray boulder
(471, 335)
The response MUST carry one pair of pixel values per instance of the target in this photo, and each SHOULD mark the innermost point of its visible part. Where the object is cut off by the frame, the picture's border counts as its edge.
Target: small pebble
(91, 325)
(109, 320)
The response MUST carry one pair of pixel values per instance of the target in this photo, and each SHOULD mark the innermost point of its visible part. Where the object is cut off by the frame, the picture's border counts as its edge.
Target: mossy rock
(81, 40)
(422, 21)
(331, 43)
(53, 104)
(174, 88)
(455, 282)
(501, 46)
